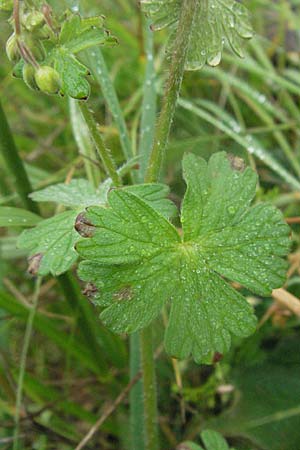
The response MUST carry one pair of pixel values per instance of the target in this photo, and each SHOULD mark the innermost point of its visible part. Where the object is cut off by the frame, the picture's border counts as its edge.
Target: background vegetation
(76, 369)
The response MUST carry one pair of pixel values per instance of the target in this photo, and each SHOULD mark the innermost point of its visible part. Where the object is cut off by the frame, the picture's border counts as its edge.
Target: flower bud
(29, 76)
(12, 50)
(48, 80)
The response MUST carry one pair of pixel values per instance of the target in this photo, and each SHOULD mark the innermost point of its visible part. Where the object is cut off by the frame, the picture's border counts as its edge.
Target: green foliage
(75, 363)
(17, 217)
(211, 439)
(51, 244)
(76, 35)
(154, 194)
(138, 261)
(80, 194)
(49, 44)
(214, 440)
(215, 21)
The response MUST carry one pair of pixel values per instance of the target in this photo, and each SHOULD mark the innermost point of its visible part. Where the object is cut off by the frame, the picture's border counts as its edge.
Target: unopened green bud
(33, 20)
(6, 5)
(12, 50)
(29, 76)
(48, 80)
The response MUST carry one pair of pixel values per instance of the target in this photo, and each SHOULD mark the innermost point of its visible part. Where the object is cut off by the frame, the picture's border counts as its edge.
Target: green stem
(14, 163)
(136, 397)
(149, 387)
(25, 348)
(147, 127)
(103, 152)
(173, 86)
(172, 90)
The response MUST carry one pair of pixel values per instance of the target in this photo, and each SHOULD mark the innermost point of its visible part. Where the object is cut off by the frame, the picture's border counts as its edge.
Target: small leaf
(51, 243)
(215, 21)
(78, 34)
(16, 217)
(138, 261)
(213, 440)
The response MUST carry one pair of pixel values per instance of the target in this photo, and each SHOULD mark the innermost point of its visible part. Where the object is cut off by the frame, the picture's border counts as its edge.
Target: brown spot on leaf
(83, 226)
(236, 162)
(90, 290)
(34, 263)
(124, 294)
(217, 357)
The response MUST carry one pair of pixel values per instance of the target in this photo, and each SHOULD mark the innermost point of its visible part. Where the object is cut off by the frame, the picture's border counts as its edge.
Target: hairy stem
(103, 152)
(152, 174)
(24, 353)
(16, 17)
(172, 90)
(147, 126)
(150, 394)
(136, 397)
(14, 163)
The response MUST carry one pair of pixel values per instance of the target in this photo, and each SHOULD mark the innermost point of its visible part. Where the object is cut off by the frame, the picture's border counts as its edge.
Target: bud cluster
(26, 46)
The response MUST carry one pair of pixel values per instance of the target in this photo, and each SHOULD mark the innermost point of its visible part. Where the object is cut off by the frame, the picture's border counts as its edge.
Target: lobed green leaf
(139, 262)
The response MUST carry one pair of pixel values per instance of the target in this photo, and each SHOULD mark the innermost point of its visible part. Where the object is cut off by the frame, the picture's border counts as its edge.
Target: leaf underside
(51, 243)
(216, 21)
(80, 194)
(139, 262)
